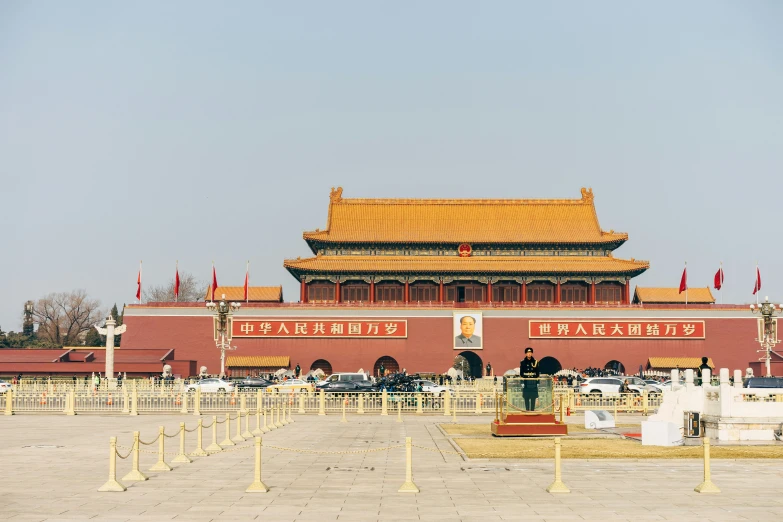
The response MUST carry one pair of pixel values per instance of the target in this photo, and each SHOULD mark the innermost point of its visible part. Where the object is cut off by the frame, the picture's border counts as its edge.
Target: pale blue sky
(205, 130)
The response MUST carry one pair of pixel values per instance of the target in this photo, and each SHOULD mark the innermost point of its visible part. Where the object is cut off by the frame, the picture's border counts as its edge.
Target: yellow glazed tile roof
(255, 293)
(672, 295)
(474, 264)
(677, 362)
(257, 361)
(562, 221)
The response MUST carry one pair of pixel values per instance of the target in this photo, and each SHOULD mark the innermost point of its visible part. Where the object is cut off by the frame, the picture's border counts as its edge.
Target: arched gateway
(470, 364)
(549, 366)
(390, 365)
(323, 365)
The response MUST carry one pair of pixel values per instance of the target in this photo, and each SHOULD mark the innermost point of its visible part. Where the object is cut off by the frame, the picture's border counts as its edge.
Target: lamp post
(222, 321)
(768, 335)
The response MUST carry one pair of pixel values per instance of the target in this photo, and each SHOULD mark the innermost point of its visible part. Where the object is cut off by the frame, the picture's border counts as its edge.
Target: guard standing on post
(528, 370)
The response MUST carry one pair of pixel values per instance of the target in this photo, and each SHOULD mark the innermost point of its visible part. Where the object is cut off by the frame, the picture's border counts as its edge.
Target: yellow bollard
(197, 402)
(125, 401)
(242, 403)
(399, 411)
(360, 407)
(199, 451)
(214, 447)
(134, 402)
(266, 429)
(112, 484)
(479, 398)
(707, 486)
(228, 441)
(257, 486)
(247, 434)
(290, 407)
(344, 419)
(71, 403)
(408, 486)
(446, 400)
(9, 402)
(135, 475)
(181, 457)
(454, 411)
(277, 415)
(557, 486)
(384, 403)
(257, 432)
(184, 409)
(301, 403)
(271, 419)
(161, 464)
(238, 437)
(419, 409)
(284, 421)
(321, 403)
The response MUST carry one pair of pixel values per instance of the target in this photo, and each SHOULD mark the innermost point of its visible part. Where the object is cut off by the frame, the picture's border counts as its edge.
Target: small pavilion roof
(670, 363)
(456, 221)
(672, 295)
(256, 294)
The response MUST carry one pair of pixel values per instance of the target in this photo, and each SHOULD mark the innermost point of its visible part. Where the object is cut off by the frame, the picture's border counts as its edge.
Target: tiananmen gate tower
(392, 281)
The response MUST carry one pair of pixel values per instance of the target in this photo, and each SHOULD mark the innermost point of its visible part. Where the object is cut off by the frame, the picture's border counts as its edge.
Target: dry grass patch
(484, 429)
(520, 448)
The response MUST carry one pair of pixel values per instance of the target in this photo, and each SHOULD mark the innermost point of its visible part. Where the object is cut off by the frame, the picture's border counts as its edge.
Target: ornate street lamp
(768, 331)
(222, 321)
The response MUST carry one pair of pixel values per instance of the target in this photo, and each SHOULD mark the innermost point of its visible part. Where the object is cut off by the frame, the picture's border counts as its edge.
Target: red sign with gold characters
(642, 329)
(321, 328)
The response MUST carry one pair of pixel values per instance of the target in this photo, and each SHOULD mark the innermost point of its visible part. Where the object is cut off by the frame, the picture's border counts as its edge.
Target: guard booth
(527, 408)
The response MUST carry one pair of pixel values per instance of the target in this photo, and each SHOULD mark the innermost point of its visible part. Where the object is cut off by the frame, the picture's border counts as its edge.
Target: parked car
(667, 385)
(344, 377)
(432, 387)
(253, 382)
(341, 386)
(4, 386)
(290, 386)
(211, 385)
(601, 385)
(763, 382)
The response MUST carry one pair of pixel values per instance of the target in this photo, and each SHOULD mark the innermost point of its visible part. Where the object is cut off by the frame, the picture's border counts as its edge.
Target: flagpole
(686, 284)
(176, 290)
(721, 282)
(758, 291)
(139, 299)
(212, 283)
(247, 281)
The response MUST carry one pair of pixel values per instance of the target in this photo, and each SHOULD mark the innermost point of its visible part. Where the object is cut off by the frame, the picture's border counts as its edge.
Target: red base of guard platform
(518, 425)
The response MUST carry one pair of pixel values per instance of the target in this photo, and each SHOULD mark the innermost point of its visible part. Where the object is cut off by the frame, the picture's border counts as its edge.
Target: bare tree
(64, 318)
(190, 290)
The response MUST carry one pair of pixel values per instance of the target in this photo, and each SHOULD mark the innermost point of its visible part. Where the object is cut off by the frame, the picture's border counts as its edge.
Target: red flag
(214, 282)
(719, 278)
(138, 285)
(684, 280)
(176, 285)
(757, 286)
(247, 280)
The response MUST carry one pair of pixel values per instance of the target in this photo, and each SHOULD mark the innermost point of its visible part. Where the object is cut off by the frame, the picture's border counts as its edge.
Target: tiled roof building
(464, 250)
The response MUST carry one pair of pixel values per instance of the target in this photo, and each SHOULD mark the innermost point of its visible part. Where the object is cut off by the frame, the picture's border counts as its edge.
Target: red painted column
(557, 292)
(523, 297)
(372, 290)
(337, 292)
(407, 292)
(627, 293)
(440, 291)
(303, 292)
(489, 291)
(592, 293)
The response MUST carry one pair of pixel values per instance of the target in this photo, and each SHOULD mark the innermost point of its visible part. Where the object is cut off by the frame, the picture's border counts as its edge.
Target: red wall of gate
(429, 345)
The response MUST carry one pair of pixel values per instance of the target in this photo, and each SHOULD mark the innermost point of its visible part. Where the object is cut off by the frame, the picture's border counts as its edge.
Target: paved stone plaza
(41, 482)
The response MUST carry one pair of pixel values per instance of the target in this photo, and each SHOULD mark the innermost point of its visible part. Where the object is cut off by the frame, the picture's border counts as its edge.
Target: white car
(211, 385)
(4, 386)
(432, 387)
(290, 386)
(601, 385)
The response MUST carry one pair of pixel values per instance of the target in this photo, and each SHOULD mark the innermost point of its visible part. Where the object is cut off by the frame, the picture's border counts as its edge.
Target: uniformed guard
(528, 370)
